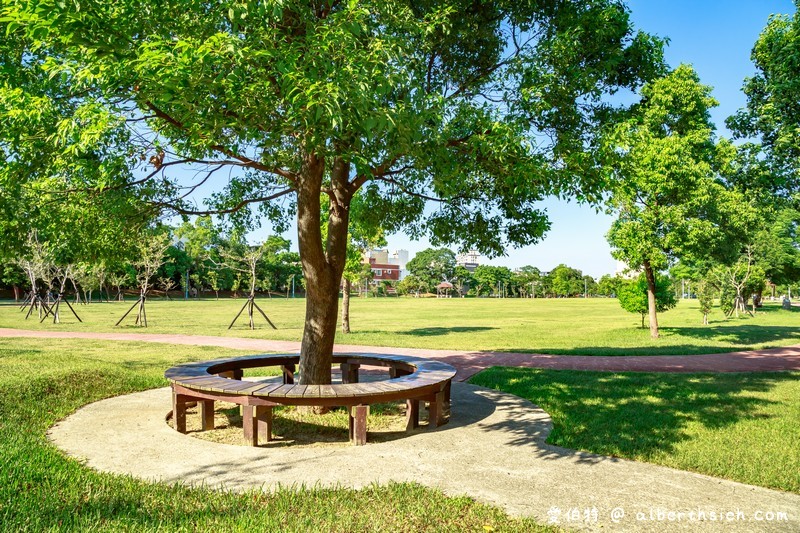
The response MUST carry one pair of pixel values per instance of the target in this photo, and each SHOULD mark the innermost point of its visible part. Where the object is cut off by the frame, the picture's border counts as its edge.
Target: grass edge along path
(41, 489)
(470, 363)
(578, 327)
(742, 427)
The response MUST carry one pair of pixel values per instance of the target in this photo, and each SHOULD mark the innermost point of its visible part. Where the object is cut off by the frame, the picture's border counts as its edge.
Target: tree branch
(183, 211)
(246, 161)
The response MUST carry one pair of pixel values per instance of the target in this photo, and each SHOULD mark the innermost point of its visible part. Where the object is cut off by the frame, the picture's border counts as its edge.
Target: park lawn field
(43, 381)
(744, 427)
(595, 326)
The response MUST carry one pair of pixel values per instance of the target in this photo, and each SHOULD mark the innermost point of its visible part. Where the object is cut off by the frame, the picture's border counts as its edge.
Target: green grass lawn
(42, 381)
(560, 326)
(744, 427)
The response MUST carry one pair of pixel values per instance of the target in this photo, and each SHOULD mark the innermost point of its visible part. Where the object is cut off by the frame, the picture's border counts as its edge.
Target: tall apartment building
(469, 260)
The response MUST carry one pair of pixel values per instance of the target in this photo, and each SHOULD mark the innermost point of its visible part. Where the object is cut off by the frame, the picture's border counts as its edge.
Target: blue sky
(716, 37)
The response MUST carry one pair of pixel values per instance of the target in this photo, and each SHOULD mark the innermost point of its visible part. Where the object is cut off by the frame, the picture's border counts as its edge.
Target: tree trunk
(651, 298)
(322, 267)
(346, 306)
(16, 293)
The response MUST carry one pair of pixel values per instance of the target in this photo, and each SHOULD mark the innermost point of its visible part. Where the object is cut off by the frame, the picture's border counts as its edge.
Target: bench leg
(435, 410)
(288, 374)
(446, 408)
(264, 422)
(349, 372)
(248, 422)
(207, 414)
(179, 412)
(412, 414)
(358, 424)
(236, 373)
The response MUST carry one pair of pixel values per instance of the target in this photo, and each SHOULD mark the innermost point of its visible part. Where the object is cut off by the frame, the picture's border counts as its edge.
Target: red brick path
(469, 363)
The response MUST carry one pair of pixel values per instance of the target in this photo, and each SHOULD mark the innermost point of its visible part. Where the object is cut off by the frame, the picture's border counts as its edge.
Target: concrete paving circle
(493, 450)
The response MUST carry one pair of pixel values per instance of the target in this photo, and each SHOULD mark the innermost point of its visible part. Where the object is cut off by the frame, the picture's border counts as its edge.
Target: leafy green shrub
(633, 295)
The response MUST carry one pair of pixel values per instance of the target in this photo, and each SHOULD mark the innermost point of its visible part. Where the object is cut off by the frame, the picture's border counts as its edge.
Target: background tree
(484, 109)
(151, 254)
(566, 281)
(433, 266)
(608, 285)
(489, 279)
(772, 114)
(634, 295)
(462, 280)
(526, 278)
(12, 276)
(706, 292)
(411, 284)
(776, 247)
(666, 192)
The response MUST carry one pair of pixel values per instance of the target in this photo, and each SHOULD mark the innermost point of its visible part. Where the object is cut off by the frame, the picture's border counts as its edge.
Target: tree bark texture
(322, 264)
(346, 306)
(651, 299)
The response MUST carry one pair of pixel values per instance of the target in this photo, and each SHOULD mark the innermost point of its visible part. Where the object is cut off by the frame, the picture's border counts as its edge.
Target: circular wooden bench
(412, 379)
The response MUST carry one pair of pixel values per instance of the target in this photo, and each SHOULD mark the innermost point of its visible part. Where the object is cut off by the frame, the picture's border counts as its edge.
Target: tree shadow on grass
(435, 331)
(635, 415)
(744, 334)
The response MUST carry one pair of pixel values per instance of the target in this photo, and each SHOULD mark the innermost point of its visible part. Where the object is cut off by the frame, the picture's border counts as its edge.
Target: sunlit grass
(560, 326)
(42, 381)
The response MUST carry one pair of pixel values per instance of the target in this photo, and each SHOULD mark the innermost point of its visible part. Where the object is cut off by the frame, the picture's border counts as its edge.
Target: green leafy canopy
(485, 107)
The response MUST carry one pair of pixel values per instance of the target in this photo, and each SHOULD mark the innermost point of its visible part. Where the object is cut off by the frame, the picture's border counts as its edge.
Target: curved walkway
(505, 462)
(469, 363)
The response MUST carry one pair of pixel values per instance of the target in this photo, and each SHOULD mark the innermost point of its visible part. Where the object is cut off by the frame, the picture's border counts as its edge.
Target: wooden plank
(267, 390)
(312, 391)
(381, 386)
(297, 391)
(280, 392)
(327, 391)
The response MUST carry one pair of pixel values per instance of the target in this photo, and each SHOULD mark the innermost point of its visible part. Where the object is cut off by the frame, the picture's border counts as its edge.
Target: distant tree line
(197, 258)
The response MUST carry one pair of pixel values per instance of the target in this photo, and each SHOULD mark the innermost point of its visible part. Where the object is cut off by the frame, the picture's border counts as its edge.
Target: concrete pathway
(493, 450)
(469, 363)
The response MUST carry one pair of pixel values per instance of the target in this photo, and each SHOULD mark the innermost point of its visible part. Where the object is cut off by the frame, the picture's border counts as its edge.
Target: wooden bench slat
(327, 391)
(265, 390)
(297, 391)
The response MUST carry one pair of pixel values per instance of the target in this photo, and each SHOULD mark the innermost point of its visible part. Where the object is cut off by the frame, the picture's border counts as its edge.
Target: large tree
(480, 107)
(433, 266)
(772, 114)
(667, 190)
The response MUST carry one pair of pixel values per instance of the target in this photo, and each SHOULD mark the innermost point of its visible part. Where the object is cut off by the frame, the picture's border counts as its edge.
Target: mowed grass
(43, 381)
(744, 427)
(558, 326)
